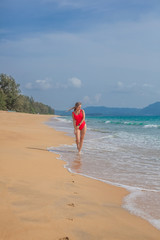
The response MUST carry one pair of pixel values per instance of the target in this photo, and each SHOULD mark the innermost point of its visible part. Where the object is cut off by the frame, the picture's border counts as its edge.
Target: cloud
(60, 85)
(119, 84)
(77, 4)
(29, 85)
(102, 5)
(39, 84)
(92, 100)
(125, 87)
(86, 100)
(75, 82)
(66, 3)
(98, 97)
(43, 84)
(4, 31)
(147, 85)
(135, 88)
(46, 84)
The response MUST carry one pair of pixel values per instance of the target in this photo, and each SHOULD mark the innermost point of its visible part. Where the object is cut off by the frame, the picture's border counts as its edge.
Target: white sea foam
(151, 126)
(61, 119)
(128, 123)
(107, 122)
(131, 206)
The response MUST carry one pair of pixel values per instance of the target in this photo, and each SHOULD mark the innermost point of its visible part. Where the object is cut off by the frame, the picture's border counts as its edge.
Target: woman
(78, 116)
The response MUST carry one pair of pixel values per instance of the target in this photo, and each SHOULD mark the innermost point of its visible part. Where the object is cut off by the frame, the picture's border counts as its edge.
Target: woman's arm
(83, 119)
(74, 124)
(83, 115)
(74, 121)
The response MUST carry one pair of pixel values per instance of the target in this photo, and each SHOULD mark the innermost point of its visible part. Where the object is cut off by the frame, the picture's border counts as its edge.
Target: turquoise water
(123, 151)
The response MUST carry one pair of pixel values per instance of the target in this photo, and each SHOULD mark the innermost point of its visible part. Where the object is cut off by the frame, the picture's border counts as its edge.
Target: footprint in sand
(70, 219)
(65, 238)
(71, 204)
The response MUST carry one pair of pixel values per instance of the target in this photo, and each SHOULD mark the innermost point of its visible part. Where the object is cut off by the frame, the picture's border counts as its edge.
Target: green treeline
(11, 99)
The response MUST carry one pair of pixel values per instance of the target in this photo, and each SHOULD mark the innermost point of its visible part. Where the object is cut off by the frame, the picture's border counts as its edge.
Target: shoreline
(41, 200)
(68, 153)
(130, 191)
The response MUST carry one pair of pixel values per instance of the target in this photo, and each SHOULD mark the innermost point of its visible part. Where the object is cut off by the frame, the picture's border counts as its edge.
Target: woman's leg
(78, 138)
(82, 134)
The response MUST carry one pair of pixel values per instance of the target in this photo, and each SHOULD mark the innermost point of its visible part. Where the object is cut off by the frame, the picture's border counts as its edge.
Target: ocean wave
(107, 121)
(125, 123)
(99, 130)
(130, 203)
(62, 119)
(144, 125)
(151, 126)
(134, 123)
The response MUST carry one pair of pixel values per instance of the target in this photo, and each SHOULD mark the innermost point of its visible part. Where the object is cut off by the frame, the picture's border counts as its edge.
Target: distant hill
(62, 113)
(106, 111)
(151, 110)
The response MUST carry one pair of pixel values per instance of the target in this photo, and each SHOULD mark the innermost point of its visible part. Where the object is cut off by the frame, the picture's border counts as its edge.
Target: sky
(99, 52)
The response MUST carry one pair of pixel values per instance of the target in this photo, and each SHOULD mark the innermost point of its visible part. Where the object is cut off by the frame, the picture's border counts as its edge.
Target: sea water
(123, 151)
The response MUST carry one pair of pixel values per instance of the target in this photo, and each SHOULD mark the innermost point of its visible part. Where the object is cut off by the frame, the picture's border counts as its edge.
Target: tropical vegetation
(11, 98)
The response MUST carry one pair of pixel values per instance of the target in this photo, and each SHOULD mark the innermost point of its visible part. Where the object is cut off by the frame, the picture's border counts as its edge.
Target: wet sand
(41, 200)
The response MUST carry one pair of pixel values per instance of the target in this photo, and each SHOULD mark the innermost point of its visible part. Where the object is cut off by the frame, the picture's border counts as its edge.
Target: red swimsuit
(78, 119)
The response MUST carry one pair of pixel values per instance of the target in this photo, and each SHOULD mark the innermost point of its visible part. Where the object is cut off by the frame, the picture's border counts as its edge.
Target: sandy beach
(41, 200)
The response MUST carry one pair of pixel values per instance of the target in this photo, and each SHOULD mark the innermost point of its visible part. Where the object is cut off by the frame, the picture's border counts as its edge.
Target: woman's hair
(77, 104)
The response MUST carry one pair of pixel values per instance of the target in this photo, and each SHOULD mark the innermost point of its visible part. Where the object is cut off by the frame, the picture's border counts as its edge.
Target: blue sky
(100, 52)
